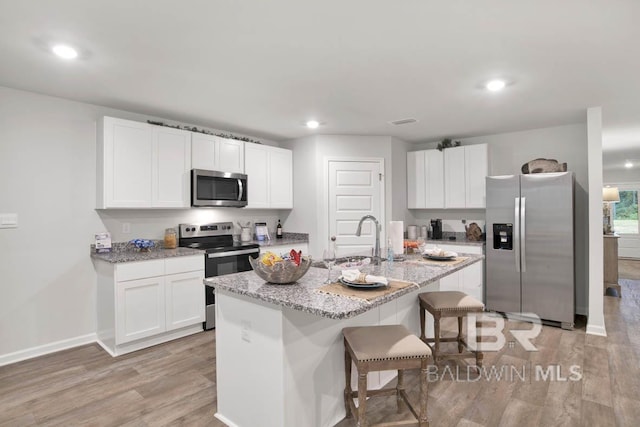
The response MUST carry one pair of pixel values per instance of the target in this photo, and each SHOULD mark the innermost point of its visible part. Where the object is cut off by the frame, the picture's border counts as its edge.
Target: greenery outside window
(625, 213)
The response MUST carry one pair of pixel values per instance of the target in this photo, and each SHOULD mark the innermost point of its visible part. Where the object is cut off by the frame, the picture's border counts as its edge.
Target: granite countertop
(123, 252)
(304, 296)
(459, 241)
(287, 239)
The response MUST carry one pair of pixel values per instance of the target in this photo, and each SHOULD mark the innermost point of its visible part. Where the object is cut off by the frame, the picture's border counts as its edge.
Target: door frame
(324, 225)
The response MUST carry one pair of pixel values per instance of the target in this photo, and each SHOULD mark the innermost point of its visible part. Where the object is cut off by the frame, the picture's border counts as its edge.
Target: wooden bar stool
(449, 304)
(382, 348)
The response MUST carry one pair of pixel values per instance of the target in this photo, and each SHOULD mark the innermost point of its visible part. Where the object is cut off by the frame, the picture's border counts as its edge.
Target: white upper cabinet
(142, 166)
(170, 168)
(465, 170)
(210, 152)
(452, 178)
(476, 165)
(425, 185)
(269, 177)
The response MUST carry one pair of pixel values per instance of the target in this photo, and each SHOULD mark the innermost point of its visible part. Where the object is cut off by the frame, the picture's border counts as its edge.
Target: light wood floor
(174, 383)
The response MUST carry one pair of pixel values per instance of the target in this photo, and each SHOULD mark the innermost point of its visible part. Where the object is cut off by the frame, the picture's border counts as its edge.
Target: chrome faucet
(376, 253)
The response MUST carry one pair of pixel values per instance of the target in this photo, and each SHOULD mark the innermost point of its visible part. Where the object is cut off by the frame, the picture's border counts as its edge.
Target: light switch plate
(8, 220)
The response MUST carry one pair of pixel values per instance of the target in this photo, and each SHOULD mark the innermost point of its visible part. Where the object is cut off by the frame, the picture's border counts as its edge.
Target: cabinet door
(230, 155)
(434, 179)
(450, 282)
(416, 181)
(476, 170)
(256, 168)
(454, 178)
(185, 300)
(171, 165)
(472, 280)
(204, 151)
(280, 178)
(126, 150)
(140, 309)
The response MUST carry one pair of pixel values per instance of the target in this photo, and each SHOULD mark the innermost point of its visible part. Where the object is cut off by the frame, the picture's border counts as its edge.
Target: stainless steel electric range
(222, 255)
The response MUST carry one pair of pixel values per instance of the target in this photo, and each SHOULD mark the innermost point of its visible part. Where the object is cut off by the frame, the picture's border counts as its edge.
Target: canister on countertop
(423, 231)
(412, 232)
(170, 238)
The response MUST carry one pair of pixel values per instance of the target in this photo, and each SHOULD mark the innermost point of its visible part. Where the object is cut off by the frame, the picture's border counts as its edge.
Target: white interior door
(354, 191)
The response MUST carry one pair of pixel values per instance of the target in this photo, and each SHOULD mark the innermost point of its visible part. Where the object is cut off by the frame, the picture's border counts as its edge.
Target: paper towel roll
(396, 234)
(412, 232)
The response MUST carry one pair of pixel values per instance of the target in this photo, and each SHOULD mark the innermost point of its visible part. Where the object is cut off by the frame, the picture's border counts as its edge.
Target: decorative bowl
(144, 245)
(282, 272)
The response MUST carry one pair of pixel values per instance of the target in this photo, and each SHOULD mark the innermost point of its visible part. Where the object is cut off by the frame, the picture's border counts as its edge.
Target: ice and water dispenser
(503, 236)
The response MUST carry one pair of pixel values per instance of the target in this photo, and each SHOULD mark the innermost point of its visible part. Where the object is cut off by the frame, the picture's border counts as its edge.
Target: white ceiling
(265, 67)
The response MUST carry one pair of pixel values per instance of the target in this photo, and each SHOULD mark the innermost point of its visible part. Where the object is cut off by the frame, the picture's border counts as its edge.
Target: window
(625, 213)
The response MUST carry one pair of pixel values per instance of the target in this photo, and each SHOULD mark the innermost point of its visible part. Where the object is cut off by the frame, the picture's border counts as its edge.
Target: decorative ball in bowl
(282, 272)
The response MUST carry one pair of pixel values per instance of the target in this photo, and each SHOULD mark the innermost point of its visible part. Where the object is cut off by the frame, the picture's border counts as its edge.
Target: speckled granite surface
(125, 252)
(461, 239)
(287, 239)
(304, 295)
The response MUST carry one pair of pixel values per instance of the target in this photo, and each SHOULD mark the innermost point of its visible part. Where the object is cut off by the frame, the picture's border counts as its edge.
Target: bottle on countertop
(279, 230)
(389, 253)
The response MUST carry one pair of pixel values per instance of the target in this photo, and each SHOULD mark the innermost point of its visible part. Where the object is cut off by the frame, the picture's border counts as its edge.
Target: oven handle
(232, 253)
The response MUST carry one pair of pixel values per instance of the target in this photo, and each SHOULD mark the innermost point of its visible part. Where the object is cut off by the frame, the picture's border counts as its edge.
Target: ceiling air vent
(403, 122)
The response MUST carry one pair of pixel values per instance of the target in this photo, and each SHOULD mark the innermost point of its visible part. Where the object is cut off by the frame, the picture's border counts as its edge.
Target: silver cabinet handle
(231, 253)
(523, 233)
(241, 187)
(516, 233)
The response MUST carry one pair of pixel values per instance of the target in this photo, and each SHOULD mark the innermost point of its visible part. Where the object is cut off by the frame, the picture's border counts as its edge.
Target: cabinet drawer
(184, 264)
(139, 270)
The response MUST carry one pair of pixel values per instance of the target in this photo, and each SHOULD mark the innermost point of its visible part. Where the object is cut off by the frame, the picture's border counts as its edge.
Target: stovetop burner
(212, 238)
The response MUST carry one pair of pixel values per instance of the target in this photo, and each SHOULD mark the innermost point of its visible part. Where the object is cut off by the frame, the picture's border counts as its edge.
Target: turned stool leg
(423, 337)
(436, 336)
(460, 346)
(422, 421)
(400, 389)
(362, 399)
(347, 384)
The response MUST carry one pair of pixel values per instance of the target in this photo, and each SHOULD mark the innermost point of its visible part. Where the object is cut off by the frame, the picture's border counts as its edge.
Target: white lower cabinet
(470, 279)
(140, 309)
(145, 303)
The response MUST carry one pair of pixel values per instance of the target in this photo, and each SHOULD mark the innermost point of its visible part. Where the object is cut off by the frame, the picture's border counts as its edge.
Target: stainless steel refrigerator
(530, 246)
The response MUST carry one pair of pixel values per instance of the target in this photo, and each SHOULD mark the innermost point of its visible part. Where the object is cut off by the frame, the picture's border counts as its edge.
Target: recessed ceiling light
(628, 164)
(495, 85)
(312, 124)
(64, 51)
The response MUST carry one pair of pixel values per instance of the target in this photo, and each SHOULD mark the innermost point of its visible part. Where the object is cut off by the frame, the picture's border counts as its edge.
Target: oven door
(212, 188)
(236, 261)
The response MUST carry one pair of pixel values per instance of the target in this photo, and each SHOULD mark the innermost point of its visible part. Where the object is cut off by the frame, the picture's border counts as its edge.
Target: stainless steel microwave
(213, 189)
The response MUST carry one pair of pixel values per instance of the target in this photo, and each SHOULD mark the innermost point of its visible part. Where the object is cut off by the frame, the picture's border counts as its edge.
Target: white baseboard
(29, 353)
(596, 330)
(224, 419)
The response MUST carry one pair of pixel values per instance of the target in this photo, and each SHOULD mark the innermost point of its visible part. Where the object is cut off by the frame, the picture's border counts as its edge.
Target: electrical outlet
(126, 227)
(245, 331)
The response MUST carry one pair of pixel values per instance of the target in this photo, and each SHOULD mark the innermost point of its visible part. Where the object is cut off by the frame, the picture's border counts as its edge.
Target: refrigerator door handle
(516, 233)
(523, 225)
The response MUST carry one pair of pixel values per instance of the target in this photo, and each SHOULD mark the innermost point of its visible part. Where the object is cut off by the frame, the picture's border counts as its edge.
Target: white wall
(593, 229)
(47, 177)
(507, 153)
(309, 156)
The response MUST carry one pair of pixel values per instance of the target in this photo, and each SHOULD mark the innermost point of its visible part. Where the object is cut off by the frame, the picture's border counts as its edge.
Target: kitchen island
(279, 350)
